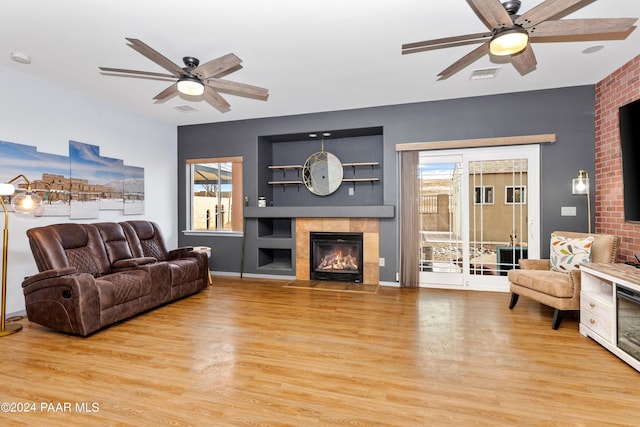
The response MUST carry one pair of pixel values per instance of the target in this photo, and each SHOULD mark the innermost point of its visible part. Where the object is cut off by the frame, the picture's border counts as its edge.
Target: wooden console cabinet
(598, 318)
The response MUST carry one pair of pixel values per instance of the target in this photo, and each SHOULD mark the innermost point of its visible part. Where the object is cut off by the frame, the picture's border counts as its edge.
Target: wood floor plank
(255, 352)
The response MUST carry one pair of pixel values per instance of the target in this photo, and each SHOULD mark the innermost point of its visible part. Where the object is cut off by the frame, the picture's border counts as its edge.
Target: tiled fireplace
(369, 227)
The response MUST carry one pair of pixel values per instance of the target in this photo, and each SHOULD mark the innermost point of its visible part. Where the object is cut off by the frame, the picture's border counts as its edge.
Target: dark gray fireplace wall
(567, 112)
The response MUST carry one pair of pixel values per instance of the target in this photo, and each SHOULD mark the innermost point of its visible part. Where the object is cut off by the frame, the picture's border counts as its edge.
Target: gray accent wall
(568, 112)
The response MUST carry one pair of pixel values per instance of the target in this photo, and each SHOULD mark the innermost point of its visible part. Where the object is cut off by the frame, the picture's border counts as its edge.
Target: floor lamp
(580, 185)
(24, 203)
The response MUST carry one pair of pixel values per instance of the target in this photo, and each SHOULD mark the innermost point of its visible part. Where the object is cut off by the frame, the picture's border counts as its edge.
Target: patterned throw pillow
(567, 253)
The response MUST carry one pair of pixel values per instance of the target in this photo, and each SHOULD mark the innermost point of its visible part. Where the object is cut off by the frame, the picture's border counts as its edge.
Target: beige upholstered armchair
(554, 284)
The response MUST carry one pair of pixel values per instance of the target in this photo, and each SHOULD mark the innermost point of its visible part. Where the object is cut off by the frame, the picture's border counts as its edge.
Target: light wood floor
(253, 352)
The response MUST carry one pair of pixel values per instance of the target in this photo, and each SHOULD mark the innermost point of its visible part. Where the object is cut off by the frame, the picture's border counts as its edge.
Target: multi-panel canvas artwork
(78, 186)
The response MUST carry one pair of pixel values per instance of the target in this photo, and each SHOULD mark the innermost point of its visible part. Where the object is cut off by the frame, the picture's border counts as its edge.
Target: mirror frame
(322, 173)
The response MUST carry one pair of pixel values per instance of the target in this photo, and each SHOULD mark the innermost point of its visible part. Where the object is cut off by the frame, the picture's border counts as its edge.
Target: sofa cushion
(128, 285)
(145, 239)
(185, 270)
(566, 254)
(548, 282)
(69, 245)
(114, 241)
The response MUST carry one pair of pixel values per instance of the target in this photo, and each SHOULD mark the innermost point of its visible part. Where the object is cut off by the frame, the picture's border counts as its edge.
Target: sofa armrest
(574, 278)
(534, 264)
(180, 252)
(47, 274)
(133, 262)
(64, 302)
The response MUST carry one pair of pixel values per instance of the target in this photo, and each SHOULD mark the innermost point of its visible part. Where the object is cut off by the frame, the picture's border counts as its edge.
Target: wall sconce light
(580, 186)
(26, 203)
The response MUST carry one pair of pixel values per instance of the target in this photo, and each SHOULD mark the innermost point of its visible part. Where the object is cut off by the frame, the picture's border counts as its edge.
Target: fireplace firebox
(336, 256)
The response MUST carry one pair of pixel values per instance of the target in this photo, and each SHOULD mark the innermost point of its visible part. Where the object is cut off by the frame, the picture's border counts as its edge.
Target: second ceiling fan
(194, 79)
(511, 34)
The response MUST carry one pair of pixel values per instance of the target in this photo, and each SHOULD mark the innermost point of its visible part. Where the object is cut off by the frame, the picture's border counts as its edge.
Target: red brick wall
(619, 88)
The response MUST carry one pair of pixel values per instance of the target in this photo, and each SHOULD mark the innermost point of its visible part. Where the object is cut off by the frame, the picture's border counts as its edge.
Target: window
(216, 194)
(483, 195)
(515, 195)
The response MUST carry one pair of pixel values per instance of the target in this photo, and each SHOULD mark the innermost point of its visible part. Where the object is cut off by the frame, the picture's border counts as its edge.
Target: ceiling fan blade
(155, 56)
(216, 66)
(545, 10)
(167, 93)
(140, 73)
(525, 62)
(444, 42)
(492, 13)
(226, 72)
(239, 89)
(214, 98)
(461, 63)
(577, 27)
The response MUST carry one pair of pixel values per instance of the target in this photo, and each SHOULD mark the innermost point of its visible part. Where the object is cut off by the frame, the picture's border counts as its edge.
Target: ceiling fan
(194, 79)
(511, 33)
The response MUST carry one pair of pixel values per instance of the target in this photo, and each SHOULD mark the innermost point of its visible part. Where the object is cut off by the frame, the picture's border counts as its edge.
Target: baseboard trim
(252, 275)
(275, 276)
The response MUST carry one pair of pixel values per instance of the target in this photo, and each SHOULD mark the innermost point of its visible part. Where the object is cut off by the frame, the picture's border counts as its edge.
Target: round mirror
(322, 173)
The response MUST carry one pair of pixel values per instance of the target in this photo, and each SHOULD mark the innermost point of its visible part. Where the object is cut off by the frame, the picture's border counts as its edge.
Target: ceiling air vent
(484, 73)
(185, 108)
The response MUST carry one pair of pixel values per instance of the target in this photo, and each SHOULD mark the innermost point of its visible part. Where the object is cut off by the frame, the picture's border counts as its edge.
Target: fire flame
(338, 261)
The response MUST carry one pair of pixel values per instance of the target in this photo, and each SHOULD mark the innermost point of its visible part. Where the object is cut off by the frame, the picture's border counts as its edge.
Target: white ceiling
(312, 55)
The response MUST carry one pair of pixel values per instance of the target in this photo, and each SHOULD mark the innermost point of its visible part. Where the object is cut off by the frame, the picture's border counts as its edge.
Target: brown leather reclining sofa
(93, 275)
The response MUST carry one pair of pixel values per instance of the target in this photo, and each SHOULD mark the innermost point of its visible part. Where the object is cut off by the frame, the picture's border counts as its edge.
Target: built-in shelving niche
(275, 259)
(281, 158)
(274, 228)
(275, 245)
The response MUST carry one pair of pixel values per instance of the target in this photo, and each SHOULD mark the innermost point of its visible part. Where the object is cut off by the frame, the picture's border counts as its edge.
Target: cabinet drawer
(597, 324)
(590, 304)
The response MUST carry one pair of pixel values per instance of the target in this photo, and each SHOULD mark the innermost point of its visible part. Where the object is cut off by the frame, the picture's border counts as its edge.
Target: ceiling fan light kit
(509, 41)
(509, 32)
(190, 86)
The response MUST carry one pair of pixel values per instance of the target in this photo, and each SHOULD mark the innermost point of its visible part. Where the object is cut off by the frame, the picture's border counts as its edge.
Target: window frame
(237, 196)
(523, 195)
(484, 192)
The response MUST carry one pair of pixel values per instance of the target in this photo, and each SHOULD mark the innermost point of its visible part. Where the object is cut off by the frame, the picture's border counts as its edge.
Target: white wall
(41, 114)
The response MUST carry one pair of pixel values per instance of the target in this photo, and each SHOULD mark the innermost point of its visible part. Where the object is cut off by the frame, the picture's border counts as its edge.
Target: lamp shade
(27, 204)
(509, 41)
(190, 86)
(580, 185)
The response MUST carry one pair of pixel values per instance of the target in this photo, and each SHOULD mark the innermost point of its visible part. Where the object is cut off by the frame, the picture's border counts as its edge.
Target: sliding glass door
(440, 196)
(479, 212)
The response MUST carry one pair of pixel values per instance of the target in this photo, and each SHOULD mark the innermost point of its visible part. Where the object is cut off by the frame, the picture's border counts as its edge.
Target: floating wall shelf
(298, 168)
(284, 183)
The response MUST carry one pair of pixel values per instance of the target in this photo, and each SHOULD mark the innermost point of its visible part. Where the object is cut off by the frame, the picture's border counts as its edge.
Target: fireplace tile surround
(369, 227)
